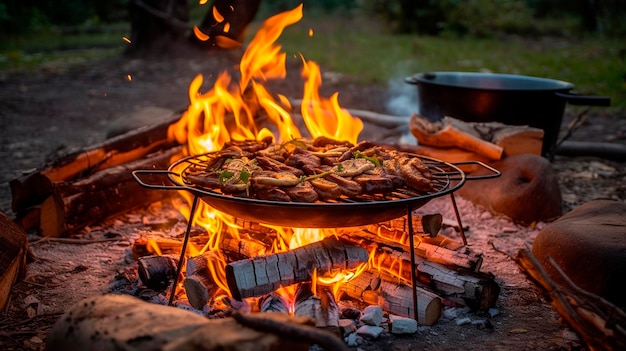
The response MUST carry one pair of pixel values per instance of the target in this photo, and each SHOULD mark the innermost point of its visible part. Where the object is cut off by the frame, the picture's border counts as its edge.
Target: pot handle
(576, 99)
(410, 80)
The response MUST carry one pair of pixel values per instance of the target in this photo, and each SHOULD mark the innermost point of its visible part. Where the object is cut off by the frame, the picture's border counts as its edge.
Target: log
(477, 290)
(157, 272)
(609, 151)
(13, 252)
(273, 302)
(200, 283)
(261, 275)
(320, 307)
(74, 205)
(398, 228)
(452, 133)
(394, 296)
(423, 249)
(32, 189)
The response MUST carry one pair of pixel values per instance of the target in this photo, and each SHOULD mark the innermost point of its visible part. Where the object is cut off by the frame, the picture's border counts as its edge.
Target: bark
(264, 274)
(32, 189)
(76, 204)
(394, 296)
(13, 249)
(157, 272)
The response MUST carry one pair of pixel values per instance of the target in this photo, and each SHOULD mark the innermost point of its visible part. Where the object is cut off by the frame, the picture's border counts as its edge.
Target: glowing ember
(223, 114)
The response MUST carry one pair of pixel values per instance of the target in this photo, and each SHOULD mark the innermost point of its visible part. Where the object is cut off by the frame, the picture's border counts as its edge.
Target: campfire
(293, 220)
(287, 209)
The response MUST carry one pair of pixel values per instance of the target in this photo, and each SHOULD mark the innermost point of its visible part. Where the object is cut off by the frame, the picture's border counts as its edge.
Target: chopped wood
(199, 282)
(13, 253)
(394, 295)
(321, 307)
(423, 249)
(157, 272)
(516, 140)
(452, 133)
(76, 204)
(398, 228)
(260, 275)
(32, 189)
(273, 302)
(599, 323)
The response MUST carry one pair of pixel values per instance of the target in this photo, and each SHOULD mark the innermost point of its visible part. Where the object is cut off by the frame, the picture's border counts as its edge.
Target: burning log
(394, 296)
(198, 282)
(426, 224)
(74, 205)
(32, 189)
(261, 275)
(323, 308)
(273, 302)
(14, 249)
(477, 290)
(422, 249)
(157, 272)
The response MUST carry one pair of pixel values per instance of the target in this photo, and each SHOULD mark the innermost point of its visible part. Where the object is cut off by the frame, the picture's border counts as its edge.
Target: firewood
(199, 281)
(157, 272)
(426, 224)
(260, 275)
(598, 323)
(323, 308)
(74, 205)
(422, 249)
(516, 140)
(452, 133)
(32, 189)
(394, 296)
(14, 249)
(273, 302)
(478, 290)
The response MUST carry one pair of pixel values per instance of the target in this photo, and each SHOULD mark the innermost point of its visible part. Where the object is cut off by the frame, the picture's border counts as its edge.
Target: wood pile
(447, 272)
(93, 183)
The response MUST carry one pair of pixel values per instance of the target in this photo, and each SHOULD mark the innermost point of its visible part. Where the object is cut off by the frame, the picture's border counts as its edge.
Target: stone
(370, 331)
(372, 315)
(527, 191)
(402, 325)
(589, 245)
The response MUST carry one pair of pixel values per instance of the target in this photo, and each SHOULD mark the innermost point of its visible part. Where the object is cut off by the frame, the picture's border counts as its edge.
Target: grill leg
(458, 219)
(183, 248)
(409, 215)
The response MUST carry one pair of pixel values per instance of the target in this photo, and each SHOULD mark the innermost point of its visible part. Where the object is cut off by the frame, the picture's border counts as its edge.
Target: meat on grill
(310, 170)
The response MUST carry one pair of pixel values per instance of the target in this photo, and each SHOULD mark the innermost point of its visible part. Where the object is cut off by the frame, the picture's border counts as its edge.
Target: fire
(224, 113)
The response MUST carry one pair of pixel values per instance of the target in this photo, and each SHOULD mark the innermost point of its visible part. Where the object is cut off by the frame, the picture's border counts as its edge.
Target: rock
(402, 325)
(589, 245)
(527, 191)
(372, 315)
(370, 331)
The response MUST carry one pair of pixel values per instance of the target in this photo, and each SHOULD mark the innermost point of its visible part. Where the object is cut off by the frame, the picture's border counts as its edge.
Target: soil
(62, 106)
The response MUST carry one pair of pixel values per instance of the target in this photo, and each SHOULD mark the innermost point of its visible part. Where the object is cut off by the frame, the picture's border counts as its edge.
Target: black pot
(506, 98)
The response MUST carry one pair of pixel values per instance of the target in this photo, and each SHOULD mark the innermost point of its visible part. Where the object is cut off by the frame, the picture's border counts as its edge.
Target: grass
(596, 66)
(369, 55)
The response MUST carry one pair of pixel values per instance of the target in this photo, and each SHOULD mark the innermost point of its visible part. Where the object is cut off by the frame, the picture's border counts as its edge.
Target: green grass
(369, 55)
(596, 66)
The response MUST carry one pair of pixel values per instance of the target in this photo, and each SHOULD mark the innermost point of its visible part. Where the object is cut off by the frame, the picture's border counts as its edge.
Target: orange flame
(222, 114)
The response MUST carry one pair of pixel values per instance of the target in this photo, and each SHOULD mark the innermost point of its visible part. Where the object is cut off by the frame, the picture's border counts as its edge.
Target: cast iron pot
(506, 98)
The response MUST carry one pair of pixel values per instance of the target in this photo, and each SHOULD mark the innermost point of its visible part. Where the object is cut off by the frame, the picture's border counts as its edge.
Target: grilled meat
(302, 192)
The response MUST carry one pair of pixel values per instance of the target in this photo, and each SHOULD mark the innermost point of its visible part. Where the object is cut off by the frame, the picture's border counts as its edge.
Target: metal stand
(192, 213)
(409, 215)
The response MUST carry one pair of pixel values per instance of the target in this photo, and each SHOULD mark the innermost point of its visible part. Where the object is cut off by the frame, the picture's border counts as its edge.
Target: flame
(222, 114)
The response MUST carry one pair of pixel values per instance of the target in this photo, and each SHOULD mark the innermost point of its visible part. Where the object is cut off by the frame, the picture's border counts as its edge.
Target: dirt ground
(64, 106)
